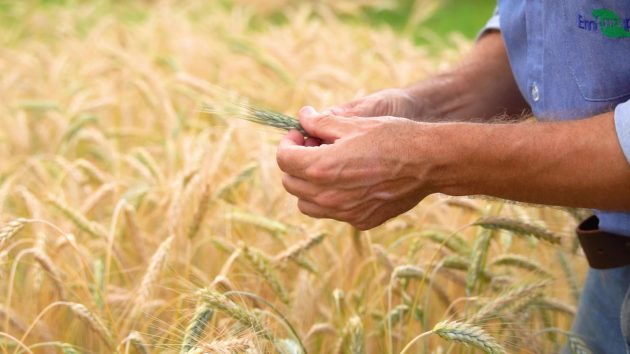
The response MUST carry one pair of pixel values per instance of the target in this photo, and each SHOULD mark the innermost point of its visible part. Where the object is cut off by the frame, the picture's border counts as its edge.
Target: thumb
(323, 126)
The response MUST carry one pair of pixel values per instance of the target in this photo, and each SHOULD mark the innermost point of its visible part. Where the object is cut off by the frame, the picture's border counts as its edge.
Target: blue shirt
(571, 60)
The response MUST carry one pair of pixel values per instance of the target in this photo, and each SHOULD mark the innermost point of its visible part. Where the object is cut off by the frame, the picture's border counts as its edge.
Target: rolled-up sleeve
(622, 125)
(492, 24)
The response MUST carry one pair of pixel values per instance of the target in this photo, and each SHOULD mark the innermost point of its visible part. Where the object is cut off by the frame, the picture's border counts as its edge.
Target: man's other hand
(390, 102)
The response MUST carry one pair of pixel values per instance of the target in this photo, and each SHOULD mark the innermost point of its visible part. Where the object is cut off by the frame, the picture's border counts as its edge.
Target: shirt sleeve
(492, 24)
(622, 125)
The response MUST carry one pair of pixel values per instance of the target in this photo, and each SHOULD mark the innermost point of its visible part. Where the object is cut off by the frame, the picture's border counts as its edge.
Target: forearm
(481, 87)
(577, 163)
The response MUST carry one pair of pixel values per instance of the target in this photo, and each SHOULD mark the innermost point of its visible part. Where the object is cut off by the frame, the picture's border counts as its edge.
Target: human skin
(366, 171)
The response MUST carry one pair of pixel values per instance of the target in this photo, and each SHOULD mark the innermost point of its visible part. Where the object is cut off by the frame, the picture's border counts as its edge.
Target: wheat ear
(272, 226)
(355, 336)
(92, 321)
(518, 227)
(468, 334)
(518, 261)
(513, 299)
(197, 326)
(200, 212)
(225, 192)
(137, 341)
(295, 251)
(478, 260)
(11, 229)
(153, 271)
(78, 219)
(262, 266)
(225, 346)
(221, 303)
(47, 264)
(258, 115)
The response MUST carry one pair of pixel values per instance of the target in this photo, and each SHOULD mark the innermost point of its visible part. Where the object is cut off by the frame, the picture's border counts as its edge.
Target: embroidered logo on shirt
(607, 22)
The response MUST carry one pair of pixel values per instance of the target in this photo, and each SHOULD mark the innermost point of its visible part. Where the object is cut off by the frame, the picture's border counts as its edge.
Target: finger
(313, 210)
(341, 110)
(312, 142)
(292, 156)
(300, 188)
(325, 127)
(363, 109)
(294, 137)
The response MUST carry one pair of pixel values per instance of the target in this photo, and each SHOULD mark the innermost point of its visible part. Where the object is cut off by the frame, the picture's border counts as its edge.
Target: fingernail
(308, 111)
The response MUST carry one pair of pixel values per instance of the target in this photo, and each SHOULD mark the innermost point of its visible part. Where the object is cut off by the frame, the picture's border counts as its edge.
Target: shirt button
(535, 92)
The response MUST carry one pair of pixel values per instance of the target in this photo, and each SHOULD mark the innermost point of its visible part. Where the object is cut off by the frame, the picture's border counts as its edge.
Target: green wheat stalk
(257, 115)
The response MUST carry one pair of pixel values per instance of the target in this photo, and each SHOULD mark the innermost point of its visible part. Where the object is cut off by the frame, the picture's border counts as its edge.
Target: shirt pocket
(597, 47)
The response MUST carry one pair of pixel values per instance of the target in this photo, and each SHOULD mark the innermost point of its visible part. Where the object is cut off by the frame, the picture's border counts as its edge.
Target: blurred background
(431, 18)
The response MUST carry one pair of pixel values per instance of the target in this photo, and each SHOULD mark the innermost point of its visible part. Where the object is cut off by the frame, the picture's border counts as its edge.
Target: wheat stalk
(226, 190)
(295, 251)
(556, 305)
(478, 260)
(11, 229)
(262, 266)
(53, 271)
(452, 242)
(133, 231)
(225, 346)
(221, 303)
(516, 260)
(91, 171)
(518, 227)
(468, 334)
(569, 274)
(137, 341)
(393, 317)
(415, 272)
(197, 326)
(355, 336)
(96, 197)
(153, 271)
(200, 211)
(272, 226)
(78, 219)
(513, 299)
(257, 115)
(320, 328)
(578, 346)
(92, 321)
(67, 348)
(409, 271)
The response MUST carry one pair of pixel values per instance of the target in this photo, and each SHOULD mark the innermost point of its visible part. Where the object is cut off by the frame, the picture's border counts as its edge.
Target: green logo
(610, 24)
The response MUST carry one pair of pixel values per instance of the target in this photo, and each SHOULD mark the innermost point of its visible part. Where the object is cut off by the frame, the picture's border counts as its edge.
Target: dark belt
(603, 250)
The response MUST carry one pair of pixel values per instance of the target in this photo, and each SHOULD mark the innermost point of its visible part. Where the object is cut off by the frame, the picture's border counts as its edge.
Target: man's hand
(365, 172)
(479, 89)
(389, 102)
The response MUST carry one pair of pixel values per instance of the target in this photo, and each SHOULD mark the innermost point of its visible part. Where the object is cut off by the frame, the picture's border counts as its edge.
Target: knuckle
(317, 172)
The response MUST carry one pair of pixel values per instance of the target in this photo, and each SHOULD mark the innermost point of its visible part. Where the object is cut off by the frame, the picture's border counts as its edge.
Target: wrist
(440, 157)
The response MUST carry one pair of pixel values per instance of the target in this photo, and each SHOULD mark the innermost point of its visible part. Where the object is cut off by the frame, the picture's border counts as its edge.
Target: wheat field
(133, 222)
